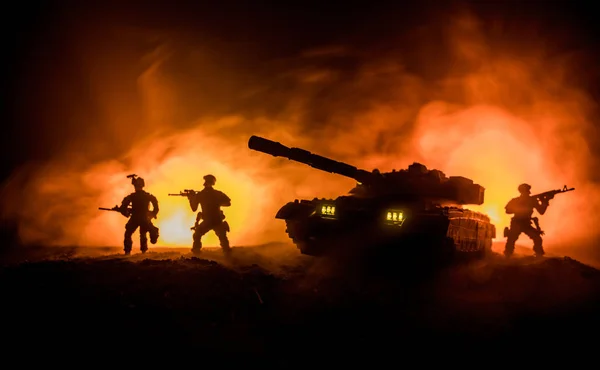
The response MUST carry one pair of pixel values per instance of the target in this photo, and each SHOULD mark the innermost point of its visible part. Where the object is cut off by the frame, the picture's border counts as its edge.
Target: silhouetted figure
(522, 208)
(213, 218)
(141, 216)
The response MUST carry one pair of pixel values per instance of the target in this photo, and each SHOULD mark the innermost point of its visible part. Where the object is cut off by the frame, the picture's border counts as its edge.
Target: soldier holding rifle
(211, 217)
(522, 208)
(136, 206)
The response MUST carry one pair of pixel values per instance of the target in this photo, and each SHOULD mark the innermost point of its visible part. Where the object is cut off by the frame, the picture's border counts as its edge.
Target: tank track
(301, 240)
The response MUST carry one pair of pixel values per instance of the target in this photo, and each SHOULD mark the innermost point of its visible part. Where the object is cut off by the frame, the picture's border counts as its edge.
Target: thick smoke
(500, 115)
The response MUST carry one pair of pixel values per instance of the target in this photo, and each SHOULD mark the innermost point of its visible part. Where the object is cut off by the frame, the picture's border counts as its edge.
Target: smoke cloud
(500, 115)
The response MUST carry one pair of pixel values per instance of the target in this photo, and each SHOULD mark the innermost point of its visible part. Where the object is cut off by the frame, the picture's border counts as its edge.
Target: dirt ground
(271, 305)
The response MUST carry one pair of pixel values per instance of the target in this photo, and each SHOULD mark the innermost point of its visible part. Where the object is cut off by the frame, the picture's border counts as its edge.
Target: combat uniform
(140, 217)
(522, 207)
(211, 201)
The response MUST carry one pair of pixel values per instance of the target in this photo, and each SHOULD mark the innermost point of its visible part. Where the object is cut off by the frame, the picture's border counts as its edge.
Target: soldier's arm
(124, 204)
(155, 207)
(193, 199)
(509, 208)
(541, 206)
(226, 202)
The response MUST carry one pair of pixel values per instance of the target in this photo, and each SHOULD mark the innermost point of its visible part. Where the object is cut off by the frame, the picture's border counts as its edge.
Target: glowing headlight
(328, 210)
(394, 217)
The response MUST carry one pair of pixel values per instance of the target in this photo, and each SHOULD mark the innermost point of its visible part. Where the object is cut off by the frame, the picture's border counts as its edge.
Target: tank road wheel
(486, 250)
(310, 247)
(444, 251)
(308, 244)
(297, 232)
(294, 230)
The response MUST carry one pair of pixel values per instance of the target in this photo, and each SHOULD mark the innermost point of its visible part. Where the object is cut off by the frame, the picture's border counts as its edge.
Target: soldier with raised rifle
(522, 208)
(211, 217)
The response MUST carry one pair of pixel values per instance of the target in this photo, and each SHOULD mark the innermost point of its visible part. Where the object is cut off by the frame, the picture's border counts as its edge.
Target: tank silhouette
(413, 209)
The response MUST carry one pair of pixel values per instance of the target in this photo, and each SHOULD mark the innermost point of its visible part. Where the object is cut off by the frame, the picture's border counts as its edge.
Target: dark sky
(39, 39)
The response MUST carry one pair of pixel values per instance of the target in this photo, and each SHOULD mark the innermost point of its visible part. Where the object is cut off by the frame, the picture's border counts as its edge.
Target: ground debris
(205, 303)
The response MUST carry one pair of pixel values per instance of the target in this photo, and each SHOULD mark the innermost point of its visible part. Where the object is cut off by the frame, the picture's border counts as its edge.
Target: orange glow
(505, 117)
(494, 149)
(184, 169)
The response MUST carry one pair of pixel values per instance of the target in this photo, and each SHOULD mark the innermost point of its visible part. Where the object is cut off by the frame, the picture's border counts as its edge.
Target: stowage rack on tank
(416, 206)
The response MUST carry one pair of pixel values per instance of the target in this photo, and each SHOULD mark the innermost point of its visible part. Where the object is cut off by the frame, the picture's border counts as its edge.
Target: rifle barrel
(557, 191)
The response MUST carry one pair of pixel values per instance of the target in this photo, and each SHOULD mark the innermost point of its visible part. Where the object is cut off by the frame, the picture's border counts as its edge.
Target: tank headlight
(328, 210)
(394, 217)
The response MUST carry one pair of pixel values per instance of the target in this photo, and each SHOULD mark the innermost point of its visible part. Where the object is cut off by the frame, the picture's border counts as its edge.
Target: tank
(412, 209)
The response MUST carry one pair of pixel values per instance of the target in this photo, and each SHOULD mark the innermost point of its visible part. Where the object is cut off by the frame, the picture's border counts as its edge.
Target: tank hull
(413, 210)
(322, 226)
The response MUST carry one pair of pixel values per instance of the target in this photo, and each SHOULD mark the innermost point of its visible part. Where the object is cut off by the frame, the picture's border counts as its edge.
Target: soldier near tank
(140, 215)
(522, 208)
(211, 217)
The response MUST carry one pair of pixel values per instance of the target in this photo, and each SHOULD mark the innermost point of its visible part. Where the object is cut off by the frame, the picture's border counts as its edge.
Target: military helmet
(210, 179)
(138, 182)
(524, 187)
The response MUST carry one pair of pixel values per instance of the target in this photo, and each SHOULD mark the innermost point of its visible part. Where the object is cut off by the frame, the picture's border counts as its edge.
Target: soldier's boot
(509, 248)
(224, 241)
(127, 244)
(154, 234)
(226, 248)
(538, 250)
(143, 242)
(196, 246)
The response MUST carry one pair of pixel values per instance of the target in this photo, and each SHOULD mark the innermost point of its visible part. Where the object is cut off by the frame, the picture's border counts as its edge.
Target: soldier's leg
(221, 231)
(201, 229)
(532, 233)
(143, 238)
(130, 228)
(154, 232)
(512, 236)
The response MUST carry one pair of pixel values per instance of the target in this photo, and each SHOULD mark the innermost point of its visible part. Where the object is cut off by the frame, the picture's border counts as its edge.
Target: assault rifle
(127, 212)
(550, 194)
(185, 193)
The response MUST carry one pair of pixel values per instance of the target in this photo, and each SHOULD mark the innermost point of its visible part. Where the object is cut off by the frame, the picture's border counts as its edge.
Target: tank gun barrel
(276, 149)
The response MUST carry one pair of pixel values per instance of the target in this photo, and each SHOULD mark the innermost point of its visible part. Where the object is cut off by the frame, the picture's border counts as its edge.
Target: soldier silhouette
(522, 208)
(213, 218)
(140, 215)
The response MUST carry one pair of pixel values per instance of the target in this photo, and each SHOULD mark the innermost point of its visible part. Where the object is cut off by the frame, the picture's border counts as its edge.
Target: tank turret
(415, 182)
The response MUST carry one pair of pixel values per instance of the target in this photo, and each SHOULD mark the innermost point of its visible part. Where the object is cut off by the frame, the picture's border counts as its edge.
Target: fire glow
(518, 121)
